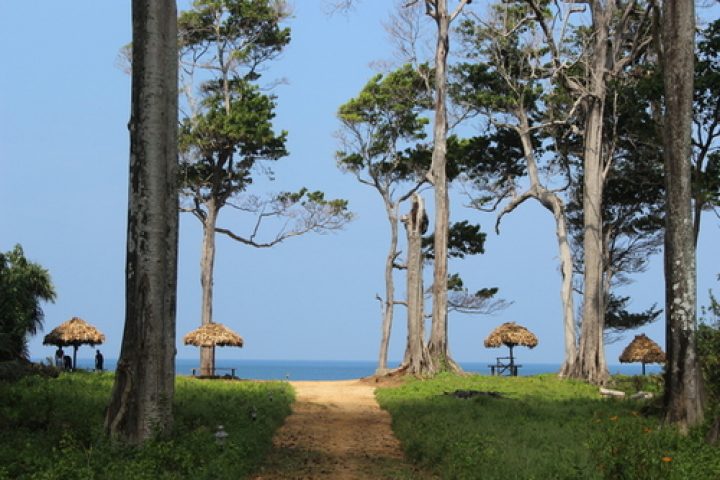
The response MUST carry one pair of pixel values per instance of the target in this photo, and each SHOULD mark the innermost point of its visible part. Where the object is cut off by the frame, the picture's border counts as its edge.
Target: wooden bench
(196, 371)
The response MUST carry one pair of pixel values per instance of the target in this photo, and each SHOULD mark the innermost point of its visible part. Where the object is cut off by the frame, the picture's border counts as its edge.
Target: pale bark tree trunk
(207, 267)
(590, 364)
(389, 304)
(141, 402)
(417, 359)
(566, 291)
(438, 344)
(556, 206)
(683, 380)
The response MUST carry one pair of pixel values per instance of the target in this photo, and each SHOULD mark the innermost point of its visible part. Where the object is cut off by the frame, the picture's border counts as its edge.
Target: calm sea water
(343, 370)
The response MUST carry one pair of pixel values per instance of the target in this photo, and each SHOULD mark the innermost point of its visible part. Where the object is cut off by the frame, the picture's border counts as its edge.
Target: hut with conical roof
(213, 335)
(511, 335)
(74, 332)
(642, 350)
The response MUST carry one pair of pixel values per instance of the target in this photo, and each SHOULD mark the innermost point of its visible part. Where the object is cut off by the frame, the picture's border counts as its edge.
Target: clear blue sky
(63, 195)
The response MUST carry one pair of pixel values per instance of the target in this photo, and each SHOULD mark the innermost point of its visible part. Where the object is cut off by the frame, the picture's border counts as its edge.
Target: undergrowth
(53, 429)
(540, 428)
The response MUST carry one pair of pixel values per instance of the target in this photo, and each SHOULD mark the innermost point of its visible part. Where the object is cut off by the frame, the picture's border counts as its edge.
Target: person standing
(99, 361)
(59, 354)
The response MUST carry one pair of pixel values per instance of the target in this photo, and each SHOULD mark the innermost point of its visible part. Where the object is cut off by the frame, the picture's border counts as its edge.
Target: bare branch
(512, 205)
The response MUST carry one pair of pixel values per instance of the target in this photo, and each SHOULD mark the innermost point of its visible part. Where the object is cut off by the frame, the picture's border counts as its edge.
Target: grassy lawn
(541, 428)
(52, 429)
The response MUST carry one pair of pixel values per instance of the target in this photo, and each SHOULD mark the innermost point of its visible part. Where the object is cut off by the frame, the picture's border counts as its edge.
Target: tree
(684, 399)
(227, 134)
(438, 343)
(23, 285)
(417, 360)
(617, 34)
(382, 128)
(633, 194)
(706, 125)
(504, 83)
(142, 396)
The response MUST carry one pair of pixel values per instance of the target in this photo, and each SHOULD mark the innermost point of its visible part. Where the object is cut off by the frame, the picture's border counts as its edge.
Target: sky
(64, 108)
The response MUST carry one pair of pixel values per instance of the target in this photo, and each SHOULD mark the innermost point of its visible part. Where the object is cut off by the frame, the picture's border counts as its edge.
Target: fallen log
(606, 392)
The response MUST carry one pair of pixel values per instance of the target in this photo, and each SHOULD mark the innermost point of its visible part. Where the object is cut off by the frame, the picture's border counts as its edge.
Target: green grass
(52, 429)
(542, 428)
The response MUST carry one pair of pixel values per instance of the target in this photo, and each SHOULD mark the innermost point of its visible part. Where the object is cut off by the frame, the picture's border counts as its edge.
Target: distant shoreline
(341, 369)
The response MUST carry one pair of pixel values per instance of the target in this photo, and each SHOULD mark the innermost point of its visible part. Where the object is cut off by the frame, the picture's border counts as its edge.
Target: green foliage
(543, 427)
(57, 427)
(249, 28)
(463, 239)
(23, 285)
(619, 319)
(708, 348)
(228, 128)
(384, 124)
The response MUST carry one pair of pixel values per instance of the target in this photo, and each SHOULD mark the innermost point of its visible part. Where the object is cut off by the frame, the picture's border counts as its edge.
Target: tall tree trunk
(389, 308)
(555, 205)
(566, 291)
(590, 363)
(417, 358)
(438, 344)
(207, 267)
(141, 402)
(683, 380)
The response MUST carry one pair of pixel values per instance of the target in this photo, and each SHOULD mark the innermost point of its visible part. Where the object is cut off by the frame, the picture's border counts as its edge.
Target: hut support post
(512, 360)
(643, 368)
(212, 364)
(74, 365)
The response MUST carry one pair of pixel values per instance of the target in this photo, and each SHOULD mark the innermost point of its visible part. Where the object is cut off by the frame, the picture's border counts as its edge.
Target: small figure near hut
(67, 363)
(99, 360)
(59, 354)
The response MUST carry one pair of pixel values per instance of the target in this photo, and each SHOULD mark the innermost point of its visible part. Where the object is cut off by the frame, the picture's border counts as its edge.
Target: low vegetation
(541, 428)
(52, 428)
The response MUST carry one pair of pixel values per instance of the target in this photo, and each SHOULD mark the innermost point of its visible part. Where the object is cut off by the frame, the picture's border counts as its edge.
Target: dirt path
(336, 431)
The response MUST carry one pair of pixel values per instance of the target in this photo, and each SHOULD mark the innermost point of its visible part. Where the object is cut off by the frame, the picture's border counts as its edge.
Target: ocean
(343, 370)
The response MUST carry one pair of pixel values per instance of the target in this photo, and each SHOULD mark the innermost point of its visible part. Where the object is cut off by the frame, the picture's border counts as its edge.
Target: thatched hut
(511, 335)
(213, 335)
(642, 350)
(74, 332)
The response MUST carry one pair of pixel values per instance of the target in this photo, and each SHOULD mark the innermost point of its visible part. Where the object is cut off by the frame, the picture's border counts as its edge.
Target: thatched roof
(511, 334)
(644, 350)
(213, 334)
(75, 331)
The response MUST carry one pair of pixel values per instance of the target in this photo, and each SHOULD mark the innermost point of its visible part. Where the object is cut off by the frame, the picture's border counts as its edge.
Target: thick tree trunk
(591, 364)
(417, 359)
(389, 308)
(141, 402)
(438, 344)
(683, 380)
(207, 267)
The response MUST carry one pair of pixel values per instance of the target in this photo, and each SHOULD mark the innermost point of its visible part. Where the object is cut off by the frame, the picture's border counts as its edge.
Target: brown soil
(336, 431)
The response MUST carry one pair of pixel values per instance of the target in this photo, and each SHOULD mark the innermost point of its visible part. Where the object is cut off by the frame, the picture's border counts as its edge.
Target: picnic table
(504, 366)
(196, 371)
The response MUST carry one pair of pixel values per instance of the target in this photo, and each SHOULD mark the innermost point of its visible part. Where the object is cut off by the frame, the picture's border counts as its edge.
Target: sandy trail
(336, 431)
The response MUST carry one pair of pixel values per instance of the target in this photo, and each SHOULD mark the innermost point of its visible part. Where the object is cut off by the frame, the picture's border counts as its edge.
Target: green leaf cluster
(248, 30)
(386, 117)
(23, 286)
(231, 128)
